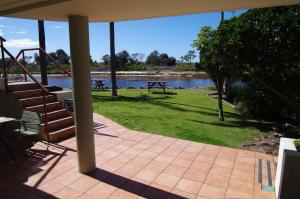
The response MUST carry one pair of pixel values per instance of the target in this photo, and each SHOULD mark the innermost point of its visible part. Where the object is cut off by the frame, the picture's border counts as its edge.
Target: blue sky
(172, 35)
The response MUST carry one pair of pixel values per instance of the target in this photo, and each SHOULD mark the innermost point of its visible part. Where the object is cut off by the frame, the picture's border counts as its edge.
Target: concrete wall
(287, 180)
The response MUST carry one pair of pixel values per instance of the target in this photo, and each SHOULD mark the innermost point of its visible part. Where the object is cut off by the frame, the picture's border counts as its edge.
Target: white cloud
(2, 26)
(1, 32)
(57, 27)
(21, 32)
(21, 43)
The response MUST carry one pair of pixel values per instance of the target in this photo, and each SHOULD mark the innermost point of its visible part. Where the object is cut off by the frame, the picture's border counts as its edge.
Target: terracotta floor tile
(156, 191)
(219, 170)
(199, 166)
(147, 175)
(195, 175)
(68, 177)
(243, 176)
(241, 186)
(231, 193)
(181, 194)
(189, 186)
(67, 193)
(122, 194)
(210, 191)
(101, 190)
(217, 180)
(85, 196)
(83, 184)
(246, 167)
(157, 166)
(164, 158)
(128, 170)
(224, 163)
(175, 170)
(51, 187)
(167, 180)
(136, 186)
(182, 162)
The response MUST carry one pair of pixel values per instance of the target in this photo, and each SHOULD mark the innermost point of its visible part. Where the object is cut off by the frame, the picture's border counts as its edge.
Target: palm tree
(113, 59)
(42, 55)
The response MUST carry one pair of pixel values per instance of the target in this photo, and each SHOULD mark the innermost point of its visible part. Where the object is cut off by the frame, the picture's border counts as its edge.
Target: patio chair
(28, 128)
(69, 104)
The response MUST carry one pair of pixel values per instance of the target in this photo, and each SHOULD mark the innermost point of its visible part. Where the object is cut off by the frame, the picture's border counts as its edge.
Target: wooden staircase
(60, 122)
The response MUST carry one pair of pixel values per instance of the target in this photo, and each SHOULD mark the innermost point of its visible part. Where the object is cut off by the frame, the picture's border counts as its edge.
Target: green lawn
(188, 114)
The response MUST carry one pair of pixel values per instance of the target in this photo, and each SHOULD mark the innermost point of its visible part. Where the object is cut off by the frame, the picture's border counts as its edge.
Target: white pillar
(80, 54)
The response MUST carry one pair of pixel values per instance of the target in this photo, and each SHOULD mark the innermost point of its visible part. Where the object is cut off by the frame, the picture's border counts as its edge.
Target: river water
(138, 81)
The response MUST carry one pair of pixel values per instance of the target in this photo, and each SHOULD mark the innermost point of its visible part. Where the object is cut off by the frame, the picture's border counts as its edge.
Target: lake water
(138, 82)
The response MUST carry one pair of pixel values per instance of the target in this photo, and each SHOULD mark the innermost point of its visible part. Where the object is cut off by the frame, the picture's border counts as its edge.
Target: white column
(80, 54)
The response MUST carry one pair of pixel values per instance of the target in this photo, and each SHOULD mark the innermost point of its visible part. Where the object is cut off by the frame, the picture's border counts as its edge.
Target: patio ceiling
(120, 10)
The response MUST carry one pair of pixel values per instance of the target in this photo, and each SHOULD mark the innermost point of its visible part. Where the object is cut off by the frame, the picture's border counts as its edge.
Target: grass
(188, 114)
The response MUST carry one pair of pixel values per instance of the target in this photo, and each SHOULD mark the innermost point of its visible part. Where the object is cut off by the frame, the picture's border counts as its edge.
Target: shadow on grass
(263, 127)
(170, 105)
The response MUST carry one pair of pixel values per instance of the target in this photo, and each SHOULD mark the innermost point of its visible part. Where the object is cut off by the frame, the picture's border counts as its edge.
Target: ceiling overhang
(121, 10)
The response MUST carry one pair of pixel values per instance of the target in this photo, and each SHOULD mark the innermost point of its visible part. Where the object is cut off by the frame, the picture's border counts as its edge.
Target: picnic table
(157, 84)
(3, 121)
(98, 83)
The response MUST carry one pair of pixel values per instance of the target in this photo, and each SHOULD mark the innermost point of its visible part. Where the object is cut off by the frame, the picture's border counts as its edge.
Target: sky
(172, 35)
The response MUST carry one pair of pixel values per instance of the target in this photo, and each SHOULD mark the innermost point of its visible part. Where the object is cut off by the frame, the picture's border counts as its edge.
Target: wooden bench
(99, 84)
(157, 84)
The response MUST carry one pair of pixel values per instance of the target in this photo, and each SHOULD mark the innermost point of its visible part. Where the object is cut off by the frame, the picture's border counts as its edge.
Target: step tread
(58, 120)
(62, 129)
(39, 105)
(33, 98)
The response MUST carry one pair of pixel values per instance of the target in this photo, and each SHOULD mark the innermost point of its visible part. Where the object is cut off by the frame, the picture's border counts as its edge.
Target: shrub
(183, 67)
(297, 144)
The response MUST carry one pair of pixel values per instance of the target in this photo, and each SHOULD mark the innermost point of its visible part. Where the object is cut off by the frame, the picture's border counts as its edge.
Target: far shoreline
(141, 74)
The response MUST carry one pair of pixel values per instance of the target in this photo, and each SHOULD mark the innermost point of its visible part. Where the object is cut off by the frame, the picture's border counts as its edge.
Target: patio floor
(133, 164)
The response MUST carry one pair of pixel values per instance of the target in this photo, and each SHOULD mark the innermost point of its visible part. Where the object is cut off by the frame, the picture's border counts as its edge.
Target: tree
(269, 47)
(153, 58)
(171, 61)
(208, 43)
(106, 59)
(189, 56)
(113, 59)
(62, 57)
(123, 58)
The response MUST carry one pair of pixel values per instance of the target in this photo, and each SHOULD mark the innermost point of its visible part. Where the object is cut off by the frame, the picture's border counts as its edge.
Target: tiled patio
(133, 164)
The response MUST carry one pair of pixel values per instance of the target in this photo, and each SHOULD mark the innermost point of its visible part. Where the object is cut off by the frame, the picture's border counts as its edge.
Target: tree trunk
(42, 55)
(220, 104)
(113, 60)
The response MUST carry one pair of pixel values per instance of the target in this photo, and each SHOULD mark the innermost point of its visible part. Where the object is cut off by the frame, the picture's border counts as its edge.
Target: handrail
(24, 69)
(49, 56)
(45, 91)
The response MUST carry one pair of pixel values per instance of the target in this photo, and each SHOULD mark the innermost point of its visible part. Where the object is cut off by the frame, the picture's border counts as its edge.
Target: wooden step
(62, 133)
(58, 114)
(49, 107)
(33, 101)
(55, 125)
(28, 93)
(21, 86)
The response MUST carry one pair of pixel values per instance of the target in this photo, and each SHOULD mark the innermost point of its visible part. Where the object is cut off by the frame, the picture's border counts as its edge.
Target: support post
(80, 55)
(42, 43)
(113, 66)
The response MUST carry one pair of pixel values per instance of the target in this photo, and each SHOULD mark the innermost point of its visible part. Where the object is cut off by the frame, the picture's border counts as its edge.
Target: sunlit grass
(188, 114)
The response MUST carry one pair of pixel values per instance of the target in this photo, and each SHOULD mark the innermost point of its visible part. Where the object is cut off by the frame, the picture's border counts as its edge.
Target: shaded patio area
(134, 164)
